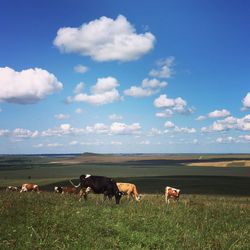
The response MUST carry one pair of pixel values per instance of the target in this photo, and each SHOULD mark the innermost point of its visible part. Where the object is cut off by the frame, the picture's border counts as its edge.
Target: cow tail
(136, 193)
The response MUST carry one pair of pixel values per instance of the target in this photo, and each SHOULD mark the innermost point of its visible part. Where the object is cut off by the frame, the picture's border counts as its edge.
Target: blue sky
(124, 76)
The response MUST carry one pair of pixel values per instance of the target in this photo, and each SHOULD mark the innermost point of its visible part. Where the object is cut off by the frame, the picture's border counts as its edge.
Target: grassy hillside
(51, 221)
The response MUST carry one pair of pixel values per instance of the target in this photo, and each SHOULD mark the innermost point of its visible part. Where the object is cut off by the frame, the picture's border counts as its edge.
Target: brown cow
(11, 188)
(171, 193)
(129, 189)
(30, 187)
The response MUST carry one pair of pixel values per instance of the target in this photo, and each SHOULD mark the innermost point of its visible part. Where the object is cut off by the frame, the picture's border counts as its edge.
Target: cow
(30, 187)
(66, 190)
(171, 193)
(11, 188)
(129, 189)
(99, 185)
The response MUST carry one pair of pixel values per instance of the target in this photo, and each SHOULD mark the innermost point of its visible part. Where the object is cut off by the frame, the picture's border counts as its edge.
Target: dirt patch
(242, 163)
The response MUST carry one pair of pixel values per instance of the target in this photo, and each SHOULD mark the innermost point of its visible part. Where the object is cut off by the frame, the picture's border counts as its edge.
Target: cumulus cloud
(214, 114)
(24, 133)
(246, 101)
(169, 124)
(177, 105)
(103, 92)
(148, 87)
(115, 117)
(219, 113)
(78, 111)
(62, 116)
(139, 92)
(122, 128)
(165, 68)
(105, 39)
(153, 83)
(79, 88)
(27, 86)
(80, 69)
(4, 132)
(165, 113)
(242, 124)
(201, 118)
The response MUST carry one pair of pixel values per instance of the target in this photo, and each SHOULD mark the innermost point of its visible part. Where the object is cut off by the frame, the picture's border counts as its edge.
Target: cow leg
(167, 199)
(83, 194)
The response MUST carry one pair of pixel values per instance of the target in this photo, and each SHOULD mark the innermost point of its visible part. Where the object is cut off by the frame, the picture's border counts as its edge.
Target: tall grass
(51, 221)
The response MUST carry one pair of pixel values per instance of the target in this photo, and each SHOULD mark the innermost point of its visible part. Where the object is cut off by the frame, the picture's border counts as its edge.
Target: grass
(51, 221)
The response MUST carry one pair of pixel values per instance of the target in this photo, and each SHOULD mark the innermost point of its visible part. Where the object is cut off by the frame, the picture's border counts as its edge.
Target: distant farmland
(228, 174)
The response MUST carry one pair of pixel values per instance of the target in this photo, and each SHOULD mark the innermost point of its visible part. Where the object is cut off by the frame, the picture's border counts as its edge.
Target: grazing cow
(11, 188)
(100, 185)
(66, 190)
(171, 193)
(30, 187)
(129, 189)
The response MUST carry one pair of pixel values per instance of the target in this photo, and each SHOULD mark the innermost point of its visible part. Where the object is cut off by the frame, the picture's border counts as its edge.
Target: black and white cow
(100, 185)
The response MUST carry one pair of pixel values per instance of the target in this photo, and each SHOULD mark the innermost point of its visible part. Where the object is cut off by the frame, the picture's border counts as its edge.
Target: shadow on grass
(214, 185)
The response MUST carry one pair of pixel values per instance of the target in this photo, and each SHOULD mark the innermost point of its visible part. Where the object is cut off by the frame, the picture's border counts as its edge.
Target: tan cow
(171, 193)
(129, 189)
(28, 187)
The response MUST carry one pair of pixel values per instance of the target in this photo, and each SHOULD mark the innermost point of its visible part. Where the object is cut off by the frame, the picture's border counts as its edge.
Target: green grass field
(213, 211)
(52, 221)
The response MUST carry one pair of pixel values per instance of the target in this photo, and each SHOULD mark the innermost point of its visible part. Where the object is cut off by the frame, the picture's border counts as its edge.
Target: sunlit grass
(51, 221)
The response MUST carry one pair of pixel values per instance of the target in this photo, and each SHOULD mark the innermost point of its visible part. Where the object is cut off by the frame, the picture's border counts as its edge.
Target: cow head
(118, 196)
(58, 189)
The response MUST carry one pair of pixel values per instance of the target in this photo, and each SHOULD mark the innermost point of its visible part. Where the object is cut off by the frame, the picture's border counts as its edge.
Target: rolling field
(213, 211)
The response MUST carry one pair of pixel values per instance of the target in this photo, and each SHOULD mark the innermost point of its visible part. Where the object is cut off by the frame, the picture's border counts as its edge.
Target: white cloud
(54, 145)
(242, 124)
(201, 118)
(177, 105)
(78, 111)
(4, 132)
(27, 86)
(105, 39)
(246, 101)
(185, 130)
(245, 137)
(153, 83)
(80, 69)
(122, 128)
(40, 145)
(73, 143)
(164, 68)
(169, 124)
(165, 114)
(148, 87)
(116, 143)
(219, 113)
(164, 102)
(79, 88)
(228, 139)
(139, 92)
(24, 133)
(115, 117)
(103, 92)
(62, 116)
(145, 142)
(155, 132)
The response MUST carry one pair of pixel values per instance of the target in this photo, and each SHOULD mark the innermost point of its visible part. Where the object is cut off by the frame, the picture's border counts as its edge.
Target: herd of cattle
(99, 185)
